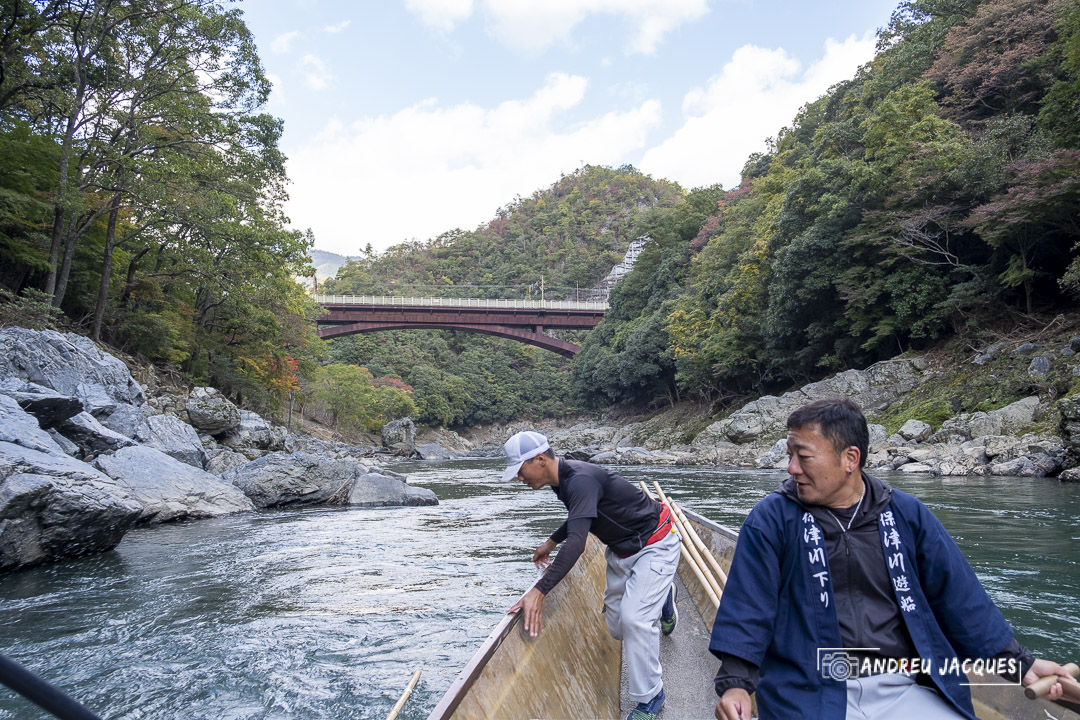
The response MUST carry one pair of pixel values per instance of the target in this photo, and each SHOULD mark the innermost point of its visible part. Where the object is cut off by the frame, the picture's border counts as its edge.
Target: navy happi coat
(778, 608)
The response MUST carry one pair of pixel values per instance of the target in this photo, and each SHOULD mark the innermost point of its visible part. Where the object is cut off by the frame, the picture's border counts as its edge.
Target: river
(325, 612)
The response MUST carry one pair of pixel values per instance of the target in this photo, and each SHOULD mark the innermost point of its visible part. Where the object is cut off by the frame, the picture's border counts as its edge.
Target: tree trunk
(65, 268)
(129, 285)
(106, 266)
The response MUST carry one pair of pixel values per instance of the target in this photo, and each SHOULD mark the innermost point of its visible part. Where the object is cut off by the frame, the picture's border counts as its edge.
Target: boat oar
(1042, 686)
(404, 696)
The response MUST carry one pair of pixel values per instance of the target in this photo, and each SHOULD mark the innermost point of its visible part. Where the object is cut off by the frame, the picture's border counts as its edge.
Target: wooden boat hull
(572, 669)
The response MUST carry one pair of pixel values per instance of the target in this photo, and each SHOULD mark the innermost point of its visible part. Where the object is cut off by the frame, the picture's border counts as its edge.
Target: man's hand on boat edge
(532, 603)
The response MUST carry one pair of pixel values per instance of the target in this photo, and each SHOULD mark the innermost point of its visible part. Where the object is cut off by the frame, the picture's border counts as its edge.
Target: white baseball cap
(523, 446)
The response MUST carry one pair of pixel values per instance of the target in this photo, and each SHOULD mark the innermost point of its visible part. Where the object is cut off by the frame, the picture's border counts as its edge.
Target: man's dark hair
(839, 420)
(550, 453)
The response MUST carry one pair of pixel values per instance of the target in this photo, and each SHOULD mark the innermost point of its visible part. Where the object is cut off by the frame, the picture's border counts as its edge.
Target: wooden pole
(700, 576)
(1042, 686)
(404, 696)
(706, 575)
(719, 571)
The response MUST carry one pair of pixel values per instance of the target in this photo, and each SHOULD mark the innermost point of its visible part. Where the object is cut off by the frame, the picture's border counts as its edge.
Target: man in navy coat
(848, 599)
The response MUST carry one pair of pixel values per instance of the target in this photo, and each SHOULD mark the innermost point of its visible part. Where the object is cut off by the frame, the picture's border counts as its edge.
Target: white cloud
(758, 92)
(281, 44)
(429, 168)
(334, 29)
(316, 74)
(533, 25)
(441, 15)
(277, 89)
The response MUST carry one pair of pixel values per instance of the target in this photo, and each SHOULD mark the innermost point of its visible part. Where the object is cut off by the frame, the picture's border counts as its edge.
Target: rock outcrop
(51, 505)
(399, 436)
(764, 419)
(376, 489)
(64, 403)
(168, 489)
(174, 437)
(281, 479)
(211, 412)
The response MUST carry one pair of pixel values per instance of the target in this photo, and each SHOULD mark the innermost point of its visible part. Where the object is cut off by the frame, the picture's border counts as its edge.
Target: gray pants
(636, 589)
(890, 696)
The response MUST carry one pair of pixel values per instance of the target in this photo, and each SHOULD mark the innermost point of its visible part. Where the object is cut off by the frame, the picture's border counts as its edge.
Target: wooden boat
(573, 669)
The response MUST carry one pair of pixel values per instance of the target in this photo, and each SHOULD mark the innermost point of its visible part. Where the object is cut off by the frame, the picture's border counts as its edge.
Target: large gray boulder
(294, 479)
(54, 507)
(167, 489)
(878, 437)
(776, 458)
(20, 428)
(71, 365)
(254, 432)
(915, 431)
(399, 436)
(222, 460)
(47, 405)
(174, 437)
(211, 412)
(377, 489)
(434, 451)
(969, 425)
(1017, 416)
(91, 436)
(126, 419)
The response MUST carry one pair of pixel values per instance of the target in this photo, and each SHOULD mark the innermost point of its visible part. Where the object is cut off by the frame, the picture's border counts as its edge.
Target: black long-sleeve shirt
(602, 502)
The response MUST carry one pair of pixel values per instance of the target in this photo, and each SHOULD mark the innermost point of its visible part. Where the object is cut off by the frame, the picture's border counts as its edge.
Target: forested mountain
(570, 234)
(935, 193)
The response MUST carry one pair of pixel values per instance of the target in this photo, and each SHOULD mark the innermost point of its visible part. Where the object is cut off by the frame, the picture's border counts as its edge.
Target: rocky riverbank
(86, 453)
(1037, 435)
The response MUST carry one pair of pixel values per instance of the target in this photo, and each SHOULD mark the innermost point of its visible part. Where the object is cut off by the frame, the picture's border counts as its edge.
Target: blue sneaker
(649, 710)
(669, 614)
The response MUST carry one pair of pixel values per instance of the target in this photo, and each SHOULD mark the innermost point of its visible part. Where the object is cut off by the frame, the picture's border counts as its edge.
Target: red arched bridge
(521, 320)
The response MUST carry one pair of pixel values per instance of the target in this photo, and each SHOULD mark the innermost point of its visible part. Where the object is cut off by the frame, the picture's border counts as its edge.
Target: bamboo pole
(706, 574)
(404, 696)
(1042, 686)
(719, 571)
(700, 576)
(699, 571)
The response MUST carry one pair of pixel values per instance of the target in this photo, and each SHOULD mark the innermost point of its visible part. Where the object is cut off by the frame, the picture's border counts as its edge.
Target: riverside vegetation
(899, 242)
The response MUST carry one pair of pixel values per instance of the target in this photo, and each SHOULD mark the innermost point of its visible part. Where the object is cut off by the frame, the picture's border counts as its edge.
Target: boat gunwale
(465, 679)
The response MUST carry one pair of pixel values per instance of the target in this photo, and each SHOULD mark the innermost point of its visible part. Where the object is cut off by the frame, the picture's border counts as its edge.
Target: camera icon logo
(837, 664)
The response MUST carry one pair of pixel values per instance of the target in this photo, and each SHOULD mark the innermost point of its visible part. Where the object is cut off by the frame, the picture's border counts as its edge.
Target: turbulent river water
(325, 612)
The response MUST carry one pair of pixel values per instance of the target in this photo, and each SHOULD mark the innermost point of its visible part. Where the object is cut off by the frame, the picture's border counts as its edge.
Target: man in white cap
(642, 554)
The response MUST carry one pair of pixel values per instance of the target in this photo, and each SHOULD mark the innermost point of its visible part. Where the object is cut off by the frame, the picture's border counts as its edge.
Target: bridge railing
(459, 302)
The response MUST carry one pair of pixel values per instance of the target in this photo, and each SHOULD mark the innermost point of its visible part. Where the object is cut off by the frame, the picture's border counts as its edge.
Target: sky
(405, 119)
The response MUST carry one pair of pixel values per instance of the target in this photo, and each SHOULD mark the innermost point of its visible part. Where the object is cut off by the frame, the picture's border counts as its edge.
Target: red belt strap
(664, 527)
